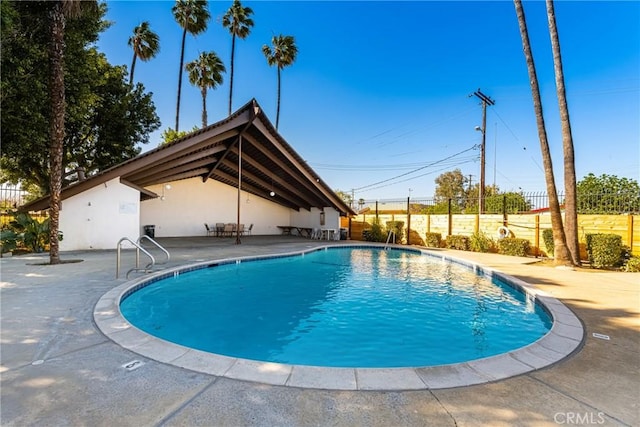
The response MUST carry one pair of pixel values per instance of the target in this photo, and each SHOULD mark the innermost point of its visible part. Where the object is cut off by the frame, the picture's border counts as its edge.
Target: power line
(413, 177)
(377, 168)
(415, 170)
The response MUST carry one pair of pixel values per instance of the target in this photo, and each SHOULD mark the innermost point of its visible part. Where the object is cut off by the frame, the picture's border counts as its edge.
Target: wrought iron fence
(510, 203)
(11, 197)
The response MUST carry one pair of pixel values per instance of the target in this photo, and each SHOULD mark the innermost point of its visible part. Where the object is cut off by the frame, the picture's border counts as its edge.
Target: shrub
(32, 234)
(633, 265)
(458, 242)
(398, 228)
(480, 242)
(547, 237)
(433, 240)
(604, 250)
(513, 246)
(8, 240)
(376, 233)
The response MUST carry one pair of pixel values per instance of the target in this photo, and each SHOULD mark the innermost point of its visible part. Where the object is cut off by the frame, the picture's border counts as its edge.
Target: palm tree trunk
(184, 37)
(233, 53)
(56, 128)
(133, 67)
(278, 108)
(570, 203)
(561, 251)
(204, 107)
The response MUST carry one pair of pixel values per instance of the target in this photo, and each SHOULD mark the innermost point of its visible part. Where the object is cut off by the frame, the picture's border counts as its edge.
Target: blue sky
(381, 89)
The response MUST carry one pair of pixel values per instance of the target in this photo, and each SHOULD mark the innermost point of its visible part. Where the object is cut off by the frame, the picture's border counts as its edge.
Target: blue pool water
(341, 307)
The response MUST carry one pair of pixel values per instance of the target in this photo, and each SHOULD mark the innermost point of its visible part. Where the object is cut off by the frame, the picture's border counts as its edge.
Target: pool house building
(239, 170)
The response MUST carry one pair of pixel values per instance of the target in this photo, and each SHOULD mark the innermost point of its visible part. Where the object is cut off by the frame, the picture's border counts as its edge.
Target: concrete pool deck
(57, 368)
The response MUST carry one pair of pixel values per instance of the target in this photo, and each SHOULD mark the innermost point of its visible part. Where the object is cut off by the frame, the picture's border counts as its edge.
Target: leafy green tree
(145, 44)
(169, 135)
(104, 121)
(608, 194)
(282, 53)
(205, 73)
(238, 21)
(450, 185)
(192, 16)
(346, 197)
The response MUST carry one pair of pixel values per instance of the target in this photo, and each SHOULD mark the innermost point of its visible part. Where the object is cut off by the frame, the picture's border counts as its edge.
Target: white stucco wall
(99, 217)
(189, 203)
(311, 219)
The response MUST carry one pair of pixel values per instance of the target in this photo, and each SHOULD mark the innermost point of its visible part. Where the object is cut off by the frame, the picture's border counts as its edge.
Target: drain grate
(133, 365)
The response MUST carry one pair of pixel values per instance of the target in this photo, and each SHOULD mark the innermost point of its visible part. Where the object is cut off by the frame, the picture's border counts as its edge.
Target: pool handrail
(138, 249)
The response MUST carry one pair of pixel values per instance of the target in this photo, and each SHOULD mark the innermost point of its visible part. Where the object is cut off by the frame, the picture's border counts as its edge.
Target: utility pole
(485, 101)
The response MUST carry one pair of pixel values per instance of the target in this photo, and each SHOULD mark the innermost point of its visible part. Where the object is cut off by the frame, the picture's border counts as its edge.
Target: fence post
(504, 210)
(376, 211)
(630, 232)
(449, 220)
(537, 238)
(408, 220)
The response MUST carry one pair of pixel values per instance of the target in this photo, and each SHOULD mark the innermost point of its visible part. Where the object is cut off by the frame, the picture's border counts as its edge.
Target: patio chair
(228, 230)
(210, 231)
(248, 230)
(219, 229)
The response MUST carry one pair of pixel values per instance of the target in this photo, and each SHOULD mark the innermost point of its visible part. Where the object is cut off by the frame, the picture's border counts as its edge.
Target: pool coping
(565, 337)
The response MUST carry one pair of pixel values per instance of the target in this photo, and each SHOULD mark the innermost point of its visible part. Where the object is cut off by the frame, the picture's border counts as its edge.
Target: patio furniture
(248, 230)
(228, 230)
(210, 231)
(219, 229)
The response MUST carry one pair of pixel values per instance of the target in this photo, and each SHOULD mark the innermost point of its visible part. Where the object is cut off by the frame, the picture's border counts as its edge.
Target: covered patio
(238, 170)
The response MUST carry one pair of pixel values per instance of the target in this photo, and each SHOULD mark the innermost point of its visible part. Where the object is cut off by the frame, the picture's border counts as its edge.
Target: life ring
(503, 232)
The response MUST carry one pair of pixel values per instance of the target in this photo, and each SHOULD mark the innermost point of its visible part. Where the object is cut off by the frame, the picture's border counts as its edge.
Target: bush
(398, 228)
(633, 265)
(513, 246)
(547, 237)
(433, 240)
(31, 233)
(604, 250)
(8, 240)
(458, 242)
(376, 233)
(480, 242)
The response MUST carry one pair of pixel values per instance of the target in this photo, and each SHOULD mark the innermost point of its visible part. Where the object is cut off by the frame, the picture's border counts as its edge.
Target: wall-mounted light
(168, 187)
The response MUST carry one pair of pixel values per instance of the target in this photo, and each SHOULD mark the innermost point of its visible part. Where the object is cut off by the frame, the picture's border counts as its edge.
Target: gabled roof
(247, 137)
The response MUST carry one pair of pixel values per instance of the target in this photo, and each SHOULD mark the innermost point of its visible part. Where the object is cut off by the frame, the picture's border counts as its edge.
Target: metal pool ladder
(391, 232)
(147, 268)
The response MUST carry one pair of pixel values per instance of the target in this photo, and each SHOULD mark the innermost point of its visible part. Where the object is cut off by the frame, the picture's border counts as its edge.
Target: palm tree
(59, 12)
(145, 44)
(282, 54)
(206, 73)
(561, 252)
(570, 202)
(192, 16)
(238, 21)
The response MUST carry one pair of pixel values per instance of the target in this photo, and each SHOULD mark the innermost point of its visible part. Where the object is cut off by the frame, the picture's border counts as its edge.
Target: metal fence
(11, 197)
(510, 203)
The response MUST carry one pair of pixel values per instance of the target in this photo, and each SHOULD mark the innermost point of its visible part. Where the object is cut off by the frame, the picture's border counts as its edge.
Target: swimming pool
(563, 339)
(340, 307)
